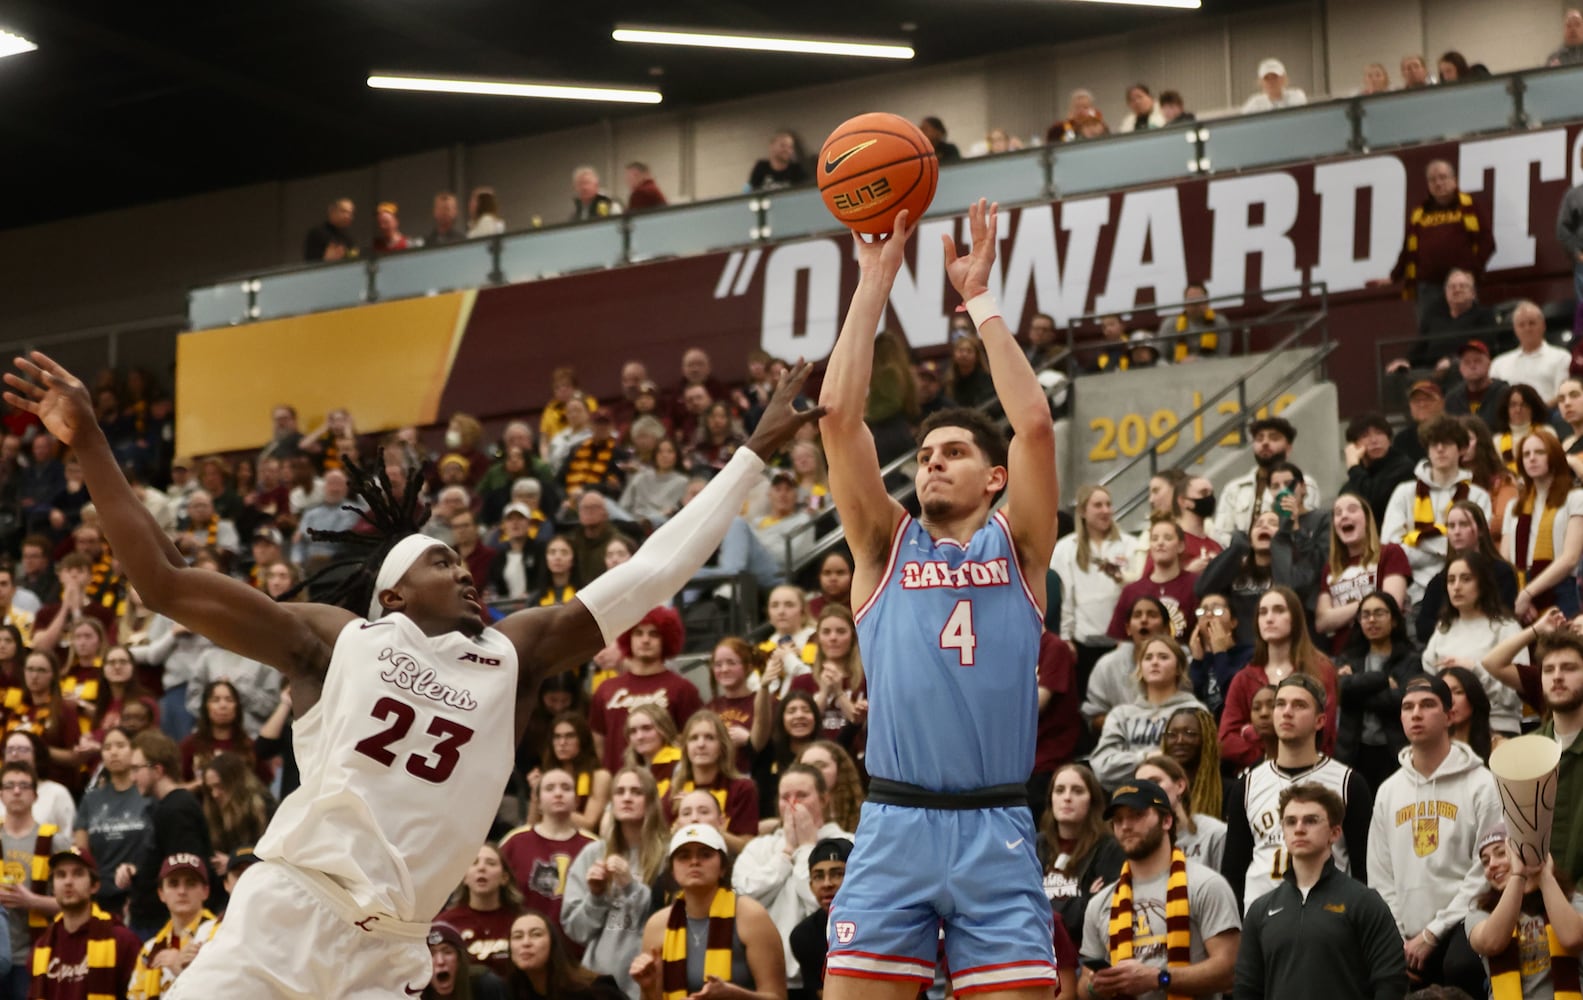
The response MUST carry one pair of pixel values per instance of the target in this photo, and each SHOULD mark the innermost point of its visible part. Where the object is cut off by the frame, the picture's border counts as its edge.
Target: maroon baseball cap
(82, 857)
(1474, 345)
(184, 862)
(1424, 385)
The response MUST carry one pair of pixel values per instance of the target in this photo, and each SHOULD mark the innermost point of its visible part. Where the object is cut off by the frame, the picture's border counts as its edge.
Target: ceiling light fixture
(1178, 4)
(762, 43)
(513, 88)
(14, 45)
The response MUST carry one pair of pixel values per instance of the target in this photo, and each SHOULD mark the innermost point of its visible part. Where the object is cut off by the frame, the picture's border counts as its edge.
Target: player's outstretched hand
(970, 275)
(882, 256)
(780, 421)
(53, 394)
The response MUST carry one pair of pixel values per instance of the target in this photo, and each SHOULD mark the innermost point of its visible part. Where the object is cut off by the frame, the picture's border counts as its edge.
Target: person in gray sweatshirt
(608, 894)
(1422, 856)
(1133, 730)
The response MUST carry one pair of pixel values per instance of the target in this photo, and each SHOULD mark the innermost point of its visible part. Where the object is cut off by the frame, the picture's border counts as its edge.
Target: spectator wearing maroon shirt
(1060, 718)
(708, 765)
(389, 238)
(480, 558)
(642, 192)
(486, 904)
(63, 967)
(729, 667)
(54, 622)
(1169, 582)
(644, 681)
(1447, 231)
(696, 371)
(541, 855)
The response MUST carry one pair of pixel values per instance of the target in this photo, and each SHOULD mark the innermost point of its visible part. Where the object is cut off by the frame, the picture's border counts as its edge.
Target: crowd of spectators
(1278, 656)
(1371, 637)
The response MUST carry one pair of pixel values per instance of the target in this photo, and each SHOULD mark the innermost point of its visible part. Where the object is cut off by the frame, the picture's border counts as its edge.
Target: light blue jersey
(950, 642)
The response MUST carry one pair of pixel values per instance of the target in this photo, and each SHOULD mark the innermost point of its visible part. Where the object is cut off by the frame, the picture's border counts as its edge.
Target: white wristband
(982, 308)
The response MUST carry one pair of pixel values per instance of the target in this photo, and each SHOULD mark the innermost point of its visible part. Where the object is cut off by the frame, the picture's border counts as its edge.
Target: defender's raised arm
(291, 638)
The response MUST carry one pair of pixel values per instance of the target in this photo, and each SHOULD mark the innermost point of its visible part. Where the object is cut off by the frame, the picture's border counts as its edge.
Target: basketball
(874, 166)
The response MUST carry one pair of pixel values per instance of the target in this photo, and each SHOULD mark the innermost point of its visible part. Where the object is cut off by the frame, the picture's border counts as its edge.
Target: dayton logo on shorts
(845, 931)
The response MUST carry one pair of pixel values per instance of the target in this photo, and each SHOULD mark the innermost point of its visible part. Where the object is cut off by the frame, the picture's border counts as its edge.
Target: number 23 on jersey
(958, 632)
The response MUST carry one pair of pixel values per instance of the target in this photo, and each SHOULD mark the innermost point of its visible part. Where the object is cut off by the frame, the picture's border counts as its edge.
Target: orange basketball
(874, 166)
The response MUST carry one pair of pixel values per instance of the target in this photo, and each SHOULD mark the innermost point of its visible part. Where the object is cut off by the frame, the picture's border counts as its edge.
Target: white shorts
(286, 938)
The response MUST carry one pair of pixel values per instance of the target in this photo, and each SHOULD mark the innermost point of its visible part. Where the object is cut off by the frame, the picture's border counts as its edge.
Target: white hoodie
(1428, 557)
(1422, 840)
(1133, 731)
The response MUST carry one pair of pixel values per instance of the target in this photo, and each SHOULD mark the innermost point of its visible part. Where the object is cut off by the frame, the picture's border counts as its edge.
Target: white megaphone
(1527, 771)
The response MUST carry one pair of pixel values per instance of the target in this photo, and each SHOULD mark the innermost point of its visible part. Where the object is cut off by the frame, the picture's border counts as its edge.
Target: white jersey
(403, 760)
(1261, 798)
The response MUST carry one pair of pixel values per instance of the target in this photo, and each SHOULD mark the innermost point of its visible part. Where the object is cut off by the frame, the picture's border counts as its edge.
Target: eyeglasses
(1215, 612)
(17, 786)
(1373, 614)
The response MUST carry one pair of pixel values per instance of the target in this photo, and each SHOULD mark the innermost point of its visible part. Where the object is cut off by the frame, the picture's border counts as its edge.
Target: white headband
(395, 566)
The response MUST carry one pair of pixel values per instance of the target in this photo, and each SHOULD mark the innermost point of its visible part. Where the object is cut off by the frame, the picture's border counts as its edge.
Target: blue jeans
(174, 718)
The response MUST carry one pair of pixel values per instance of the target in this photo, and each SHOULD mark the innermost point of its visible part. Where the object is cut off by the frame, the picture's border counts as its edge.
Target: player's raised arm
(227, 611)
(569, 634)
(868, 514)
(1032, 490)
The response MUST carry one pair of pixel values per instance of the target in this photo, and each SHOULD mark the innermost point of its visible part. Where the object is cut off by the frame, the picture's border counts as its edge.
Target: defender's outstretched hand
(780, 421)
(53, 394)
(970, 275)
(882, 257)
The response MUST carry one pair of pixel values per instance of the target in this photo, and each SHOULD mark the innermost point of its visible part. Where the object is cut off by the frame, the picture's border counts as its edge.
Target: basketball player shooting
(408, 708)
(950, 608)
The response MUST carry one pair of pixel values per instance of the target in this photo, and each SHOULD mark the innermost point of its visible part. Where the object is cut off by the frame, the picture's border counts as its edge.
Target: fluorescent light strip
(508, 88)
(14, 45)
(1178, 4)
(806, 46)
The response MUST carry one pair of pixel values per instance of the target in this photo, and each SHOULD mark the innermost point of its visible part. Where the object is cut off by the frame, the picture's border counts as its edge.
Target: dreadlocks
(350, 581)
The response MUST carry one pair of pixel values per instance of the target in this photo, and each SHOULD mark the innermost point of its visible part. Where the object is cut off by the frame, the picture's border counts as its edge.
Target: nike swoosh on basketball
(1271, 913)
(832, 163)
(1012, 845)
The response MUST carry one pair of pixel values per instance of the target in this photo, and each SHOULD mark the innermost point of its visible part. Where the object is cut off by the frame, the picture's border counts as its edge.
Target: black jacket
(178, 827)
(1364, 691)
(1103, 868)
(1341, 942)
(1459, 405)
(1375, 483)
(1297, 555)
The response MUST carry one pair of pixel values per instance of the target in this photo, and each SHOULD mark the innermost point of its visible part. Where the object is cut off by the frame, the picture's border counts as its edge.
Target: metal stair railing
(1237, 422)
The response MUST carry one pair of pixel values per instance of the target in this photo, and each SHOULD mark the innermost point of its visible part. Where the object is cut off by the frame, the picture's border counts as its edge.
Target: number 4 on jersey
(958, 632)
